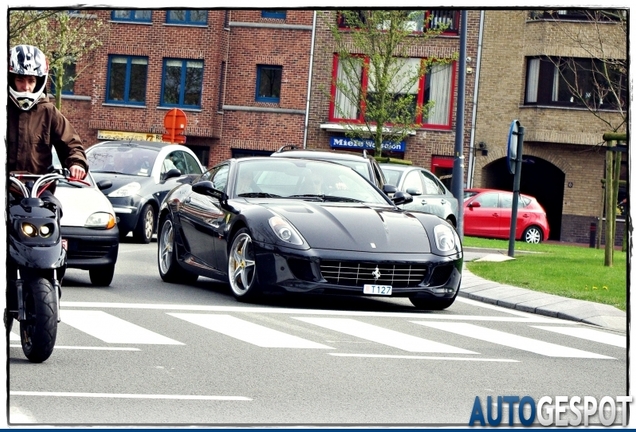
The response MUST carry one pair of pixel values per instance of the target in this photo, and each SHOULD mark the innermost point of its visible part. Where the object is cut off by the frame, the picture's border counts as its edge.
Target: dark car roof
(327, 154)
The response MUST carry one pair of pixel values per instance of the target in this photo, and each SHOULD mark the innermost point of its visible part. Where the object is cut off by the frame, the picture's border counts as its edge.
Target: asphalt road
(144, 352)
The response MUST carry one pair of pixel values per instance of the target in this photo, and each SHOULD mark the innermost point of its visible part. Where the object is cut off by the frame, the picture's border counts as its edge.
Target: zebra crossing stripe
(384, 336)
(589, 334)
(111, 329)
(248, 332)
(511, 340)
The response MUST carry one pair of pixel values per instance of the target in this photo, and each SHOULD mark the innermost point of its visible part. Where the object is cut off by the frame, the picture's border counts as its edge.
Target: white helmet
(27, 60)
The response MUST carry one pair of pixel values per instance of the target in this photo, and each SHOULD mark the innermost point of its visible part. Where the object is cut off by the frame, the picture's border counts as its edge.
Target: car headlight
(446, 238)
(285, 231)
(127, 190)
(101, 220)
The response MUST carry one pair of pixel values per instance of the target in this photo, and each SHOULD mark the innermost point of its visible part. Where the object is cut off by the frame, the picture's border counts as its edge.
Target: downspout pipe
(311, 67)
(471, 158)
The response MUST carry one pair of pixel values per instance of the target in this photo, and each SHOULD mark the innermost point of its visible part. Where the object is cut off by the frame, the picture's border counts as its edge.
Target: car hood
(79, 203)
(355, 228)
(119, 180)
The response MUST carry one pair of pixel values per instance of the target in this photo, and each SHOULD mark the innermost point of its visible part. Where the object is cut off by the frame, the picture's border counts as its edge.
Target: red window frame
(365, 82)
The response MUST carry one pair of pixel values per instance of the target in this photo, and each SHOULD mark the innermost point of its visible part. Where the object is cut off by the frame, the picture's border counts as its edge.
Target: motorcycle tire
(39, 330)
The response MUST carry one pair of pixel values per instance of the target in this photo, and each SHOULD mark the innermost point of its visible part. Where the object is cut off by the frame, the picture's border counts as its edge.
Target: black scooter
(35, 264)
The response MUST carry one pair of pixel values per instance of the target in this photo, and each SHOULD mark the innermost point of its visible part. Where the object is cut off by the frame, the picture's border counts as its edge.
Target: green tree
(375, 46)
(68, 38)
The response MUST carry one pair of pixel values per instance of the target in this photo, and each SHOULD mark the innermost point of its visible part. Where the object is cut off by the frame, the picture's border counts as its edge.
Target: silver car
(429, 193)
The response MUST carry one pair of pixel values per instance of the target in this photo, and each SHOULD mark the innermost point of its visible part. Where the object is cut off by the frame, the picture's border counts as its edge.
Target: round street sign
(175, 122)
(511, 157)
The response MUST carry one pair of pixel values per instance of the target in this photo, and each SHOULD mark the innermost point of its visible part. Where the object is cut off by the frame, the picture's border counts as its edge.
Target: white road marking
(129, 396)
(248, 332)
(384, 336)
(511, 340)
(589, 334)
(88, 348)
(111, 329)
(17, 416)
(416, 357)
(523, 317)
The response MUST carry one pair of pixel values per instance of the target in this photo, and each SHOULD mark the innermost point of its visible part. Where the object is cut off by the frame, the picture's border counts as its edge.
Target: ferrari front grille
(357, 274)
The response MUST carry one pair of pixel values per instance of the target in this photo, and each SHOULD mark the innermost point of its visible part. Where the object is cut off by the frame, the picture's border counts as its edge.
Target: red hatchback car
(488, 213)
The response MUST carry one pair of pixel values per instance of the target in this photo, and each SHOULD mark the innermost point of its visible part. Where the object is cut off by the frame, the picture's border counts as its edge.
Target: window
(187, 16)
(446, 20)
(133, 15)
(127, 77)
(182, 83)
(268, 83)
(488, 200)
(580, 14)
(68, 79)
(575, 82)
(353, 80)
(433, 185)
(274, 13)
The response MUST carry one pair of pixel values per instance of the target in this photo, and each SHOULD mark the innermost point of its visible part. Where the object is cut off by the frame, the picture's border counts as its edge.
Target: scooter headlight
(33, 231)
(29, 230)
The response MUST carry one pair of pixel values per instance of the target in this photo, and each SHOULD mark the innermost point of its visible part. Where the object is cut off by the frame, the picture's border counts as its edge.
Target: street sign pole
(516, 185)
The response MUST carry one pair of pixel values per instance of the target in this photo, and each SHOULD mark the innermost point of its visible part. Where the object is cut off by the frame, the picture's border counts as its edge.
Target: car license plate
(377, 289)
(64, 244)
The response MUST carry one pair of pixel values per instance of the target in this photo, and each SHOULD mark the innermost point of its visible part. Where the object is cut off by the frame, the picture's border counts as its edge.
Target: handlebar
(41, 182)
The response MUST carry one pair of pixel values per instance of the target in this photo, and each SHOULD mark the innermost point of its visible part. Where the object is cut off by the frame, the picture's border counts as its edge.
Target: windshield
(121, 159)
(305, 179)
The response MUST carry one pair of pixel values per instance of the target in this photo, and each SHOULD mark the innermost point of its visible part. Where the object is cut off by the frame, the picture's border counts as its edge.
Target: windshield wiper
(258, 195)
(336, 198)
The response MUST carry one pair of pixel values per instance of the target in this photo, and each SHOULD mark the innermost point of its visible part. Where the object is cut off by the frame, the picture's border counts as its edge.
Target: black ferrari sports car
(305, 226)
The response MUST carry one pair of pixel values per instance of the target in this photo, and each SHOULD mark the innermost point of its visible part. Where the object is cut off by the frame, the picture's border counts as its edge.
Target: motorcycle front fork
(22, 309)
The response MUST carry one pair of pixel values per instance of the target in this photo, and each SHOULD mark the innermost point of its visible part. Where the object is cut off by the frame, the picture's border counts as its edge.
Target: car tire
(532, 234)
(241, 267)
(433, 303)
(102, 276)
(145, 225)
(169, 268)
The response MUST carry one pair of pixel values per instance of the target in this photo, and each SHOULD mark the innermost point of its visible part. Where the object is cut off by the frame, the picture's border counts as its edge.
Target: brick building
(432, 145)
(220, 56)
(221, 68)
(563, 151)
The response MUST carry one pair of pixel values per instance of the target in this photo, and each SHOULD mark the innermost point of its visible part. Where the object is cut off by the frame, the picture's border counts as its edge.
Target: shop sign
(351, 143)
(122, 135)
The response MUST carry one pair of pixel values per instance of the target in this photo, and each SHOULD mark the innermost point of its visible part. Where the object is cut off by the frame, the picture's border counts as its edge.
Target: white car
(89, 229)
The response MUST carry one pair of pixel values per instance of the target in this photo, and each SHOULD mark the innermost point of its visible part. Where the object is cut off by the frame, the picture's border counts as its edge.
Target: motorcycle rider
(34, 124)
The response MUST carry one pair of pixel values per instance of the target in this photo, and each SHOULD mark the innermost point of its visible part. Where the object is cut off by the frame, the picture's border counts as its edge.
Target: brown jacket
(30, 135)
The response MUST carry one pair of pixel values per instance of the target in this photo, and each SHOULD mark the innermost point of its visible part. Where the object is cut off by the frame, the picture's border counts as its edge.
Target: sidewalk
(477, 288)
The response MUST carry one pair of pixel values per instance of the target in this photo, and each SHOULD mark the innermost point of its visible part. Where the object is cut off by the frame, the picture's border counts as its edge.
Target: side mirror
(206, 188)
(389, 189)
(413, 191)
(400, 197)
(104, 184)
(474, 204)
(173, 172)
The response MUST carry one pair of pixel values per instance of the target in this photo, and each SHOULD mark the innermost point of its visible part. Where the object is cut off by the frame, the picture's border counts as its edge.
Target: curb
(597, 314)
